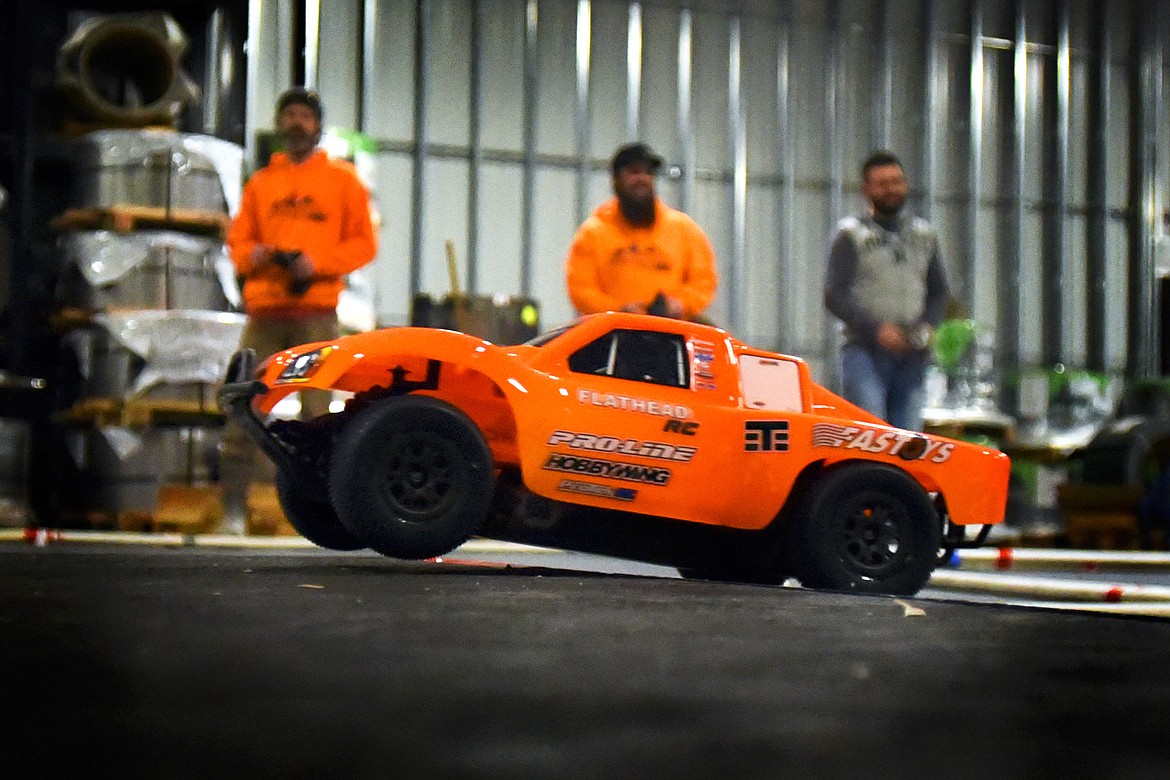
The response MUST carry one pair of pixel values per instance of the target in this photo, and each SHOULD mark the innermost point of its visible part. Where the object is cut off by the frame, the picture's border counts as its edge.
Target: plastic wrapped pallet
(180, 355)
(121, 468)
(155, 168)
(149, 269)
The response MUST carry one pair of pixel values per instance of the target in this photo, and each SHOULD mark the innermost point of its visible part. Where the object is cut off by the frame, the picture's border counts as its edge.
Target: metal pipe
(686, 134)
(581, 110)
(422, 35)
(934, 112)
(968, 261)
(312, 41)
(1012, 252)
(1141, 359)
(1054, 261)
(475, 153)
(836, 192)
(369, 60)
(737, 142)
(213, 77)
(1097, 221)
(787, 220)
(883, 75)
(833, 110)
(528, 190)
(634, 72)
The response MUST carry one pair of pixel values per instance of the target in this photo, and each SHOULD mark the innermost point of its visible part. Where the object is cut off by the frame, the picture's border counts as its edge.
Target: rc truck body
(622, 434)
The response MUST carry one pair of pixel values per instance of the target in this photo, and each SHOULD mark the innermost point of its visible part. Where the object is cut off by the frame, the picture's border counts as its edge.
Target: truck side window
(770, 384)
(640, 356)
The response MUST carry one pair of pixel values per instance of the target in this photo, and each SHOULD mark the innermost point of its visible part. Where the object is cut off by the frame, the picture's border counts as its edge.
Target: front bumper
(235, 396)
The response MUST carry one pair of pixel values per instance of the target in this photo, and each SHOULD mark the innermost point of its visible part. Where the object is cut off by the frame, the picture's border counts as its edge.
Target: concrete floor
(198, 662)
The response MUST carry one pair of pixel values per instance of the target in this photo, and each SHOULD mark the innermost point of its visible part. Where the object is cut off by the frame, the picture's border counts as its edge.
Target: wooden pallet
(142, 413)
(74, 128)
(188, 509)
(126, 219)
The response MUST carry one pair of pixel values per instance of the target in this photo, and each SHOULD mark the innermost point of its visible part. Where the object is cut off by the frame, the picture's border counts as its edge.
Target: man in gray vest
(886, 283)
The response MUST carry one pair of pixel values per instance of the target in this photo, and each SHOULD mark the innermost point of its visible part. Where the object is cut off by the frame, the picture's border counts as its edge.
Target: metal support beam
(686, 132)
(883, 76)
(968, 261)
(934, 111)
(1144, 209)
(367, 34)
(213, 78)
(269, 67)
(422, 37)
(312, 41)
(475, 158)
(581, 110)
(836, 193)
(1012, 246)
(1055, 260)
(1100, 97)
(833, 111)
(787, 221)
(528, 188)
(634, 73)
(735, 286)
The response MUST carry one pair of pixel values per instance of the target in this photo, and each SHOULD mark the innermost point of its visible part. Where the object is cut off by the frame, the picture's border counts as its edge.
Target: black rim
(421, 475)
(871, 535)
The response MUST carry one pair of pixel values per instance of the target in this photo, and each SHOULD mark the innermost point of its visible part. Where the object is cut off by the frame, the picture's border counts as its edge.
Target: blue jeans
(885, 384)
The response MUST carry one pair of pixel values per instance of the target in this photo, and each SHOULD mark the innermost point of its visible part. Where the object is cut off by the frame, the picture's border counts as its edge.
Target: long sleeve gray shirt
(878, 274)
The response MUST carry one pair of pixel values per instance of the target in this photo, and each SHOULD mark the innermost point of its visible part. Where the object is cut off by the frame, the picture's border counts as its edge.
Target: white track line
(1004, 558)
(1048, 587)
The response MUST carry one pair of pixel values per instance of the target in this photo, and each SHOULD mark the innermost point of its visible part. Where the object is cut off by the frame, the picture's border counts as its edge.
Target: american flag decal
(829, 435)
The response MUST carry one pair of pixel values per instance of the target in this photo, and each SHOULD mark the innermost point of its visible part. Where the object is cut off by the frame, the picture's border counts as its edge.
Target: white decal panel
(631, 404)
(908, 446)
(620, 446)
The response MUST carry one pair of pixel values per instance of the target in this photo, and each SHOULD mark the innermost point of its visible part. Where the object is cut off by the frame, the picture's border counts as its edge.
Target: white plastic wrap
(164, 269)
(178, 347)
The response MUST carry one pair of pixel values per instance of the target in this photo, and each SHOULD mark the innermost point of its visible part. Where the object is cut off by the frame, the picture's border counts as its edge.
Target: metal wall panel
(390, 87)
(503, 68)
(556, 74)
(608, 83)
(1016, 119)
(339, 68)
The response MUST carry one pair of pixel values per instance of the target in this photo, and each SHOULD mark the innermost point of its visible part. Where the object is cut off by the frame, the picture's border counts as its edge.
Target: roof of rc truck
(623, 434)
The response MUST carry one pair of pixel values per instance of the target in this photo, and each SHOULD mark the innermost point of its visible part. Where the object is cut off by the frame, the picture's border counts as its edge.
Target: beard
(888, 208)
(638, 211)
(297, 140)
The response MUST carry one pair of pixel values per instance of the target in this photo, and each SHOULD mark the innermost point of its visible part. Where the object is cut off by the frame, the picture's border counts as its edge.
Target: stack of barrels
(145, 293)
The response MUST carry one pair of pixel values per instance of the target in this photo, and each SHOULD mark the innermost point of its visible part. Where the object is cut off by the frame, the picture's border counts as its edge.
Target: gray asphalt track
(186, 662)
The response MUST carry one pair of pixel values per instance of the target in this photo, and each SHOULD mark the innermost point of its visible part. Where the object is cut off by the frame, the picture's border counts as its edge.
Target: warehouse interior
(1034, 134)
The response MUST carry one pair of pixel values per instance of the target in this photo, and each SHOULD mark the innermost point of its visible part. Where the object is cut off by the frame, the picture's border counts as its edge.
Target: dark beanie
(634, 153)
(305, 97)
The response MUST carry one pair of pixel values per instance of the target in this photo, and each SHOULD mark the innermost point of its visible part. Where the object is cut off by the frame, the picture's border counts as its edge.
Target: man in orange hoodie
(637, 254)
(304, 223)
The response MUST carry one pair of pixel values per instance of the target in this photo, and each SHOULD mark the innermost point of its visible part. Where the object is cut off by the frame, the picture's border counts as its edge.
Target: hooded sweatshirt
(612, 263)
(319, 207)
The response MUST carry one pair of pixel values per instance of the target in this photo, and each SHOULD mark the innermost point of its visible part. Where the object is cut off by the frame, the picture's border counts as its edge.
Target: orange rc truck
(622, 434)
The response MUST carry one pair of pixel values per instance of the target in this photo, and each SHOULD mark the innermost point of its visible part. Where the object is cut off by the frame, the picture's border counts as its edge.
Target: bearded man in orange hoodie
(304, 223)
(637, 254)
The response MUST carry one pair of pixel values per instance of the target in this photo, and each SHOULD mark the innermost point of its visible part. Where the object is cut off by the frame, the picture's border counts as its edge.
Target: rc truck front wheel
(310, 513)
(411, 477)
(865, 527)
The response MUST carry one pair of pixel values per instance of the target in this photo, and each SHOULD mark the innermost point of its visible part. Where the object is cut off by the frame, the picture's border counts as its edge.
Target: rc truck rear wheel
(411, 477)
(311, 514)
(865, 527)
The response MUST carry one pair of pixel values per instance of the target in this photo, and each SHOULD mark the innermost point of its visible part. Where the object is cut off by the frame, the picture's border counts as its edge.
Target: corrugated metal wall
(1034, 133)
